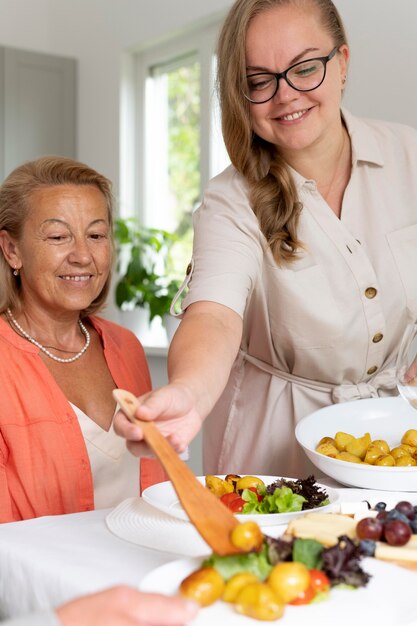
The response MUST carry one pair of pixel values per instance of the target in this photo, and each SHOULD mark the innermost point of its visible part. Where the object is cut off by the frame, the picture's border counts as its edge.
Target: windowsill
(153, 337)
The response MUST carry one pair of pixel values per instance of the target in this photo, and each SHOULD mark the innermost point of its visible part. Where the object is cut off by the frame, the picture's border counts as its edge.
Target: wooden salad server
(210, 517)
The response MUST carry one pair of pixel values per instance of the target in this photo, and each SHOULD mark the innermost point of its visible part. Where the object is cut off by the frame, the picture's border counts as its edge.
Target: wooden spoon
(210, 517)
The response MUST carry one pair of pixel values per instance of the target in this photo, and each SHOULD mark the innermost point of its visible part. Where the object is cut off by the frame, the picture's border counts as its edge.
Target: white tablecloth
(49, 560)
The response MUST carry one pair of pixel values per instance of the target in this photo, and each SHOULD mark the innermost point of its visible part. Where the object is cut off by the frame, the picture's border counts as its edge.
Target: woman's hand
(172, 408)
(125, 606)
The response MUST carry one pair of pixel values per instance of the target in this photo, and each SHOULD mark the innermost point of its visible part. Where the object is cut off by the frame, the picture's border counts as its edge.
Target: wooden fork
(210, 517)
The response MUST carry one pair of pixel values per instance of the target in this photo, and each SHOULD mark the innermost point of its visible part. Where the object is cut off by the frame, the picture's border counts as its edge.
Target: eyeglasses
(304, 76)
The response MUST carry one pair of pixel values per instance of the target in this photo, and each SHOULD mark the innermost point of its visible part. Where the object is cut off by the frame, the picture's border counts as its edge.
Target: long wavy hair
(15, 206)
(272, 192)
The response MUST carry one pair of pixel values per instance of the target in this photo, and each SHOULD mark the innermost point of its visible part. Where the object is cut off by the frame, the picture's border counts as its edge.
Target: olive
(258, 600)
(247, 536)
(236, 583)
(204, 586)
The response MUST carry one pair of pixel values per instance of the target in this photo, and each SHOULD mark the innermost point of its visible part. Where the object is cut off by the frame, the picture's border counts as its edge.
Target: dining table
(49, 560)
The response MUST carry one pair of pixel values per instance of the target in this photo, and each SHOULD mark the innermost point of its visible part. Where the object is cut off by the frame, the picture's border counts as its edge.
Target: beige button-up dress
(324, 329)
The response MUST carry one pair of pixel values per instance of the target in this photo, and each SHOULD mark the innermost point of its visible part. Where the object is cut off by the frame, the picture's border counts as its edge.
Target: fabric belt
(383, 380)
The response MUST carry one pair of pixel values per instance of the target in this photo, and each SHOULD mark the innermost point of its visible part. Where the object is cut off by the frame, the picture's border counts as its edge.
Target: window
(169, 100)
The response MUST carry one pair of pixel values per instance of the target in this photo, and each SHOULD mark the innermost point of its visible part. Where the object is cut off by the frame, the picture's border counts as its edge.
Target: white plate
(140, 523)
(375, 604)
(383, 418)
(163, 497)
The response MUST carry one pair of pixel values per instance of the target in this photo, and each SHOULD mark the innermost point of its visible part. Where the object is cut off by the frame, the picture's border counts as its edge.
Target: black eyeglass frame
(283, 75)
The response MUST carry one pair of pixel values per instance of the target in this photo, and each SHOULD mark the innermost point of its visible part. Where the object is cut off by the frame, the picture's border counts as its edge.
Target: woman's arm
(199, 363)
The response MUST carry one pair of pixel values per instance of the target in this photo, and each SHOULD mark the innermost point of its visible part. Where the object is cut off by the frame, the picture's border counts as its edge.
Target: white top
(323, 329)
(115, 471)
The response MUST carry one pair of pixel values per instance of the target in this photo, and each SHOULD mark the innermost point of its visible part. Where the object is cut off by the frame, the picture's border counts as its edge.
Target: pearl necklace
(45, 350)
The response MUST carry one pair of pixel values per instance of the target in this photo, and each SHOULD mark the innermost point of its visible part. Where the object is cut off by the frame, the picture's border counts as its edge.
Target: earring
(15, 272)
(344, 80)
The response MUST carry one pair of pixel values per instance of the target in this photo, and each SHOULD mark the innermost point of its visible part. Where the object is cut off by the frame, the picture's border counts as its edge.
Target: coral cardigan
(44, 465)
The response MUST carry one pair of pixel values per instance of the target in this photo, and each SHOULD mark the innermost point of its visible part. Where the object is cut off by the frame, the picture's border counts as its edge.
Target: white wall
(382, 35)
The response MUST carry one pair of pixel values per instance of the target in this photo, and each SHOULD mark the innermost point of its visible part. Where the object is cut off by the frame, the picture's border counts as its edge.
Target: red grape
(406, 508)
(397, 532)
(369, 528)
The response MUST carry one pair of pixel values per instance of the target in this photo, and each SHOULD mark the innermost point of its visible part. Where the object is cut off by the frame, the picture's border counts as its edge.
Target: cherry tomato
(233, 502)
(304, 597)
(319, 581)
(226, 498)
(236, 505)
(260, 498)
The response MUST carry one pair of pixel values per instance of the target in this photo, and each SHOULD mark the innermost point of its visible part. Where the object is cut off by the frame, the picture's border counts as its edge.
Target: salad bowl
(163, 497)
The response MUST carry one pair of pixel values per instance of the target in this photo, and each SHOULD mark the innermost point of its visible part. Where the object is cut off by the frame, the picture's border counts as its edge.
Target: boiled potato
(342, 439)
(359, 446)
(410, 437)
(398, 452)
(328, 449)
(346, 456)
(326, 440)
(373, 453)
(381, 444)
(405, 461)
(386, 461)
(218, 486)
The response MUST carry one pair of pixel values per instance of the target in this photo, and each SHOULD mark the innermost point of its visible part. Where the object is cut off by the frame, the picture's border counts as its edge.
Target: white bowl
(383, 418)
(163, 497)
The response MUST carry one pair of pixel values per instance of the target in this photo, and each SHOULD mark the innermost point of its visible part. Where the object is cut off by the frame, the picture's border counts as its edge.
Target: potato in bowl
(383, 418)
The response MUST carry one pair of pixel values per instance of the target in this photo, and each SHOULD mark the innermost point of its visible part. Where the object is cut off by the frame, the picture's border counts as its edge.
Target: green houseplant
(144, 268)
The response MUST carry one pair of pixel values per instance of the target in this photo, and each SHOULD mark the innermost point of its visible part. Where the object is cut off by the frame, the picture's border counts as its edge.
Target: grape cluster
(394, 526)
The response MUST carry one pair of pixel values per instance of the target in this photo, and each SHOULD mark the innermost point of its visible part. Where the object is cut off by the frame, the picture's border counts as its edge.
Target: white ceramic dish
(375, 604)
(383, 418)
(163, 497)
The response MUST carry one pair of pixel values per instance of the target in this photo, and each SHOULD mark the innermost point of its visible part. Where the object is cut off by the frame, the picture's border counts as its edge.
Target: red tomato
(237, 505)
(319, 581)
(233, 501)
(260, 498)
(304, 597)
(227, 498)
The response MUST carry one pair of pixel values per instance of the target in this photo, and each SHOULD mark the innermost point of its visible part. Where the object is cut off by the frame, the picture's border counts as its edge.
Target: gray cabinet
(37, 107)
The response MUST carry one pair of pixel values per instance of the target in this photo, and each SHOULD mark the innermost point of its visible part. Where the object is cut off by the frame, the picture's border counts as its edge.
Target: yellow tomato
(248, 481)
(289, 579)
(247, 536)
(259, 601)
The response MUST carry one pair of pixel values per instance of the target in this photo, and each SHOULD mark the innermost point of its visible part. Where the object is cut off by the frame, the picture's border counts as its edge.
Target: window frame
(200, 40)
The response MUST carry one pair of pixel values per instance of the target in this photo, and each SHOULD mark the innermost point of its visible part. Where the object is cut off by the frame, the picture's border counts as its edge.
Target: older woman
(58, 361)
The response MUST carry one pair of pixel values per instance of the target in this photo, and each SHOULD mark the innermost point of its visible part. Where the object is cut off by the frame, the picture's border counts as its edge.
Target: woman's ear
(10, 250)
(343, 62)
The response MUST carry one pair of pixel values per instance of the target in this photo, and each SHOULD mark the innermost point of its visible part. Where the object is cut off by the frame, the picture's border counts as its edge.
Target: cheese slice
(323, 527)
(408, 552)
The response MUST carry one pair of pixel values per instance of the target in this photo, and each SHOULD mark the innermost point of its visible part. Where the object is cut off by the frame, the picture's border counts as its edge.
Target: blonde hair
(272, 192)
(15, 195)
